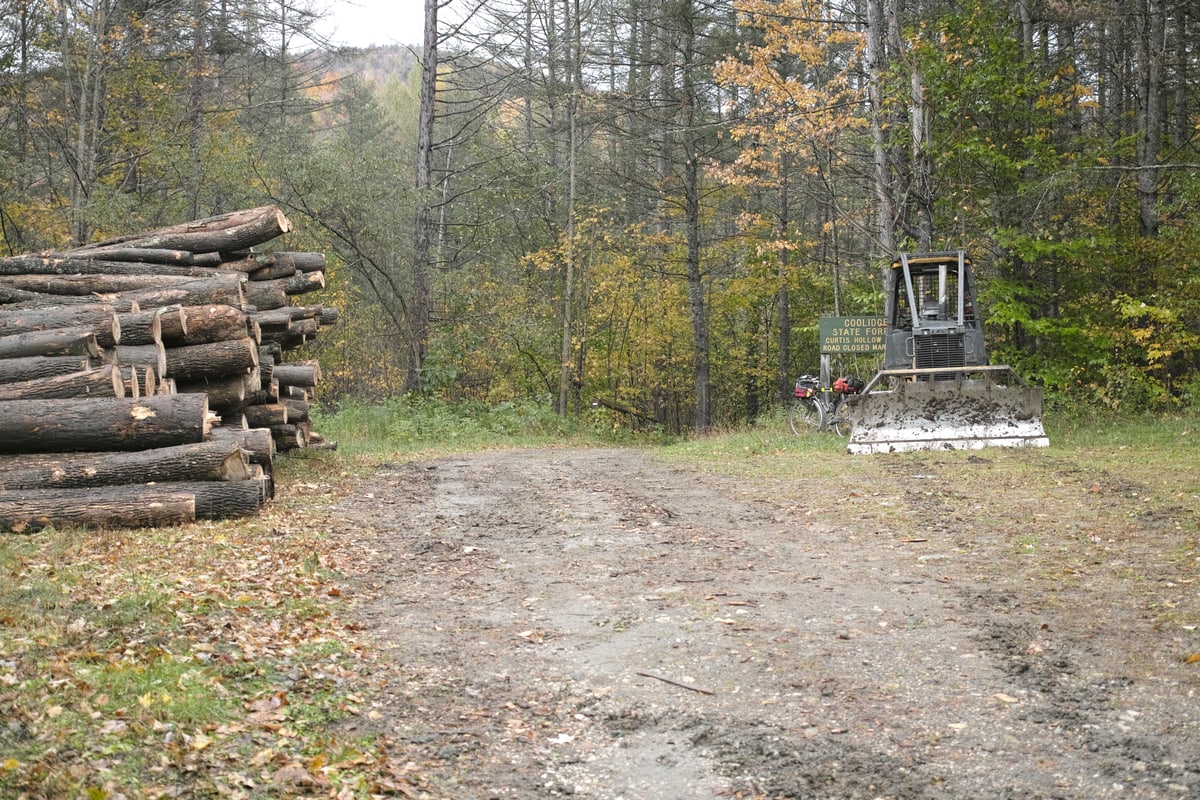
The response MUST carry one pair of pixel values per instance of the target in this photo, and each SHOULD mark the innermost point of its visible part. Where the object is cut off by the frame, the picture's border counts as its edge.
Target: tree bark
(265, 415)
(102, 283)
(76, 341)
(266, 295)
(423, 220)
(98, 425)
(273, 271)
(28, 511)
(297, 410)
(204, 461)
(225, 394)
(140, 380)
(299, 373)
(289, 437)
(101, 319)
(225, 499)
(256, 442)
(301, 261)
(211, 323)
(246, 263)
(225, 233)
(143, 355)
(146, 255)
(1150, 47)
(211, 360)
(63, 264)
(106, 381)
(146, 327)
(27, 368)
(697, 305)
(220, 289)
(885, 206)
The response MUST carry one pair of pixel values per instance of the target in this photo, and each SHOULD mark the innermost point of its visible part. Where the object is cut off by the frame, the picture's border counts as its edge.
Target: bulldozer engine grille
(939, 351)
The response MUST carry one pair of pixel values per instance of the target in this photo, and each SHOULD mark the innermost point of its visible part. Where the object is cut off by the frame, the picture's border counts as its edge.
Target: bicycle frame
(814, 409)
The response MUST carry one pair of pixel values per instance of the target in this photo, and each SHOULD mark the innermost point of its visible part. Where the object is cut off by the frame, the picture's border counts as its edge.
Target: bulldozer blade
(946, 415)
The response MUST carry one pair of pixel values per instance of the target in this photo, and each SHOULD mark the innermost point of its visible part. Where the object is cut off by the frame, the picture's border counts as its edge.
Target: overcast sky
(360, 23)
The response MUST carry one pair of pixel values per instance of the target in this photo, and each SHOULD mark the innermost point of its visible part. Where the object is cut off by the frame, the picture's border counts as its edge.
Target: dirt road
(599, 624)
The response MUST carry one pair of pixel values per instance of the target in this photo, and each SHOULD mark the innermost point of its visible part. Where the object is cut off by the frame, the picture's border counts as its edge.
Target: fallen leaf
(1194, 658)
(113, 726)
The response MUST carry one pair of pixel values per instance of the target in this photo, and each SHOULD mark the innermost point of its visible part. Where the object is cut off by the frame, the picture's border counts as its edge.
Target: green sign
(852, 334)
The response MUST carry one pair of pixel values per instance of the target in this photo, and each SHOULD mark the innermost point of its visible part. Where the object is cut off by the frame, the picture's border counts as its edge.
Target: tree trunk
(140, 380)
(423, 223)
(225, 499)
(256, 442)
(297, 410)
(29, 368)
(1151, 45)
(98, 425)
(885, 206)
(210, 323)
(697, 307)
(266, 295)
(783, 378)
(301, 261)
(272, 271)
(145, 255)
(143, 355)
(225, 394)
(100, 319)
(303, 283)
(145, 327)
(225, 233)
(289, 437)
(300, 373)
(221, 289)
(27, 511)
(64, 264)
(102, 283)
(76, 341)
(566, 344)
(204, 461)
(105, 381)
(211, 360)
(266, 415)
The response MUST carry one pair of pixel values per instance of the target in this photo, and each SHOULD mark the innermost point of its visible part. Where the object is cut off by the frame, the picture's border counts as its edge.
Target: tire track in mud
(595, 624)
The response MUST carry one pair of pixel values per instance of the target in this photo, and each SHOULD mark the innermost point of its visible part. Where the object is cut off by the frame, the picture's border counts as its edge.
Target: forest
(641, 208)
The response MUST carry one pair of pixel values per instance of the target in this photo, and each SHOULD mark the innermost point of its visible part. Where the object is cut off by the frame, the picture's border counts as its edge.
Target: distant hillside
(376, 65)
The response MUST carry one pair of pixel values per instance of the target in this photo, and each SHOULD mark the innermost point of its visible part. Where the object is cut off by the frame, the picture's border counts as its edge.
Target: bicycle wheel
(841, 419)
(805, 416)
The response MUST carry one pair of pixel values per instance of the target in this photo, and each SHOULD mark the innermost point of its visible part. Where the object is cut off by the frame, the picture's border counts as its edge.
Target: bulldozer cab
(930, 309)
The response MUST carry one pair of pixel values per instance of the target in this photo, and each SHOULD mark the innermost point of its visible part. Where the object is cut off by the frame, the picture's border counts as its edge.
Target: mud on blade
(947, 415)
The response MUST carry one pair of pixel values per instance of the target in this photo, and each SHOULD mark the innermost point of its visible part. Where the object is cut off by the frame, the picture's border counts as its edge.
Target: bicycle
(813, 410)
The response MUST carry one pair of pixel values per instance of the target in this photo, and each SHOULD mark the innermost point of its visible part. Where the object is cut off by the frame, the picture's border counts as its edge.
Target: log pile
(144, 381)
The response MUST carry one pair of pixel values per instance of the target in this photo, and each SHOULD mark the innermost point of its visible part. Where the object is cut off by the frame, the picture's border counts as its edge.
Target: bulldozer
(936, 389)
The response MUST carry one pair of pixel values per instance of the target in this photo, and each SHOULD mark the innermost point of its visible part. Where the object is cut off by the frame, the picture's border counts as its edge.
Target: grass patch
(409, 426)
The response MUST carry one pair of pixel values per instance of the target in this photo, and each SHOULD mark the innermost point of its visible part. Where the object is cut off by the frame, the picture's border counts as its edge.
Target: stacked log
(144, 380)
